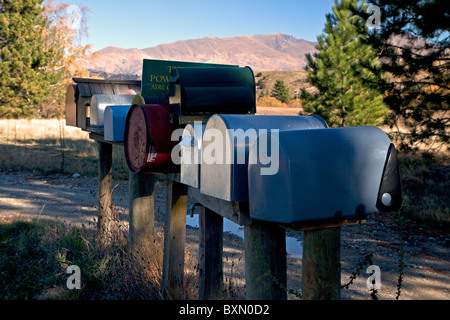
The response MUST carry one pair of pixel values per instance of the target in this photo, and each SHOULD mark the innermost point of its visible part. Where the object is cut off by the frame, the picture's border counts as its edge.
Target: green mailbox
(156, 75)
(202, 92)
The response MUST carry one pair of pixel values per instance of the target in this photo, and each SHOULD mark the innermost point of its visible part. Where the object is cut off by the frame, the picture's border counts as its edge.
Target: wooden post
(174, 239)
(142, 207)
(265, 261)
(321, 267)
(104, 191)
(210, 255)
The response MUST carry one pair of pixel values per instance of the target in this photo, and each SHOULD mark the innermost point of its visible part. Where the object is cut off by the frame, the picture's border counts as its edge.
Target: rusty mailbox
(324, 174)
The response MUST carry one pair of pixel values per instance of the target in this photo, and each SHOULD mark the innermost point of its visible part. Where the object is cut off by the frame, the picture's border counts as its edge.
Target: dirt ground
(426, 270)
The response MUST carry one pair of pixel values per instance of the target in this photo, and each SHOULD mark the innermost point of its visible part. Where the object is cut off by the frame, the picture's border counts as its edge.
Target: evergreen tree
(281, 92)
(345, 72)
(25, 56)
(414, 45)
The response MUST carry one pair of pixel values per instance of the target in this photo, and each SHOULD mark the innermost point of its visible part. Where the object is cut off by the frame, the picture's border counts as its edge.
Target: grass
(425, 185)
(51, 146)
(34, 257)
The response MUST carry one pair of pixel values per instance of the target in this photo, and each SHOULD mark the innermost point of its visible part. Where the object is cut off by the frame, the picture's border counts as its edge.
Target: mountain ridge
(263, 52)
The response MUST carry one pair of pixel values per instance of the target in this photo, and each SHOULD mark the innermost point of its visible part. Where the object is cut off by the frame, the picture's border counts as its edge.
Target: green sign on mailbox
(156, 75)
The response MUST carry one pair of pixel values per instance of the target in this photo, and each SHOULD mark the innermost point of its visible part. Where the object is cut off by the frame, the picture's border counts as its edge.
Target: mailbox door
(114, 122)
(323, 174)
(191, 154)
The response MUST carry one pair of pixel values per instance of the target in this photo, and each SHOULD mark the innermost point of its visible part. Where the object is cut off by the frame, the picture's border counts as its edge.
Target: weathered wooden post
(142, 207)
(174, 239)
(321, 266)
(265, 261)
(104, 191)
(210, 255)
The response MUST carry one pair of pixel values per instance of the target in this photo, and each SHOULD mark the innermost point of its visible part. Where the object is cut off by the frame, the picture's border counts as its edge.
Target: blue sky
(142, 24)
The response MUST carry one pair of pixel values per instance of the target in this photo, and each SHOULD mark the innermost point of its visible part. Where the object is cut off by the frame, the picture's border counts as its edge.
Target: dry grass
(51, 146)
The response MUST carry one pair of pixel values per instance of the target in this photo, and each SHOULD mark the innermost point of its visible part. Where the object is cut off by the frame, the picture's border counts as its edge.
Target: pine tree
(345, 72)
(281, 92)
(25, 78)
(414, 44)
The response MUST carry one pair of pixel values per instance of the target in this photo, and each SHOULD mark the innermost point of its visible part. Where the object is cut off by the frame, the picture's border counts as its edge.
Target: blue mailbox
(333, 173)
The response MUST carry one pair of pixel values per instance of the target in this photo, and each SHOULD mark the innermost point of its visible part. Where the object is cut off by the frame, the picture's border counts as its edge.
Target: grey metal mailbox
(225, 145)
(99, 102)
(334, 173)
(191, 154)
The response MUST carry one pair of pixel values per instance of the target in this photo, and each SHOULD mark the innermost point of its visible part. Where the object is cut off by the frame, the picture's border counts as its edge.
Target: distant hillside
(260, 52)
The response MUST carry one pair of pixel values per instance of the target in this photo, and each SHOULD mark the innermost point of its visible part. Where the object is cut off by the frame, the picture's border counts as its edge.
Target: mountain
(261, 52)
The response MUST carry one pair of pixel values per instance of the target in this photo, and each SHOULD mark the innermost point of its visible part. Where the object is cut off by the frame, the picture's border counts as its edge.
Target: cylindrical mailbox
(212, 90)
(225, 146)
(147, 139)
(324, 174)
(99, 102)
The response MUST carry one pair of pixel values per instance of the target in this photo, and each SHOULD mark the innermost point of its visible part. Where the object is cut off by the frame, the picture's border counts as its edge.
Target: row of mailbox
(289, 168)
(305, 172)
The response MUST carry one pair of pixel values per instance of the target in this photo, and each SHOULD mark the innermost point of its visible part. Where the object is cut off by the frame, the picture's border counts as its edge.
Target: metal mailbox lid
(99, 102)
(114, 122)
(212, 90)
(322, 174)
(191, 154)
(225, 176)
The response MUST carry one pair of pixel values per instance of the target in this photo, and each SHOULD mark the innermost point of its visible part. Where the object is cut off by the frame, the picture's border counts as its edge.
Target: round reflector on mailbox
(147, 139)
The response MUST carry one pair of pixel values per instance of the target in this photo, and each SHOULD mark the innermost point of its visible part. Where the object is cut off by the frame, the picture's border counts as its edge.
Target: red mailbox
(147, 139)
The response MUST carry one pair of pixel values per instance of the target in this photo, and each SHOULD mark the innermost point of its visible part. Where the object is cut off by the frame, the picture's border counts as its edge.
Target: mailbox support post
(174, 239)
(104, 191)
(142, 208)
(321, 267)
(210, 255)
(265, 261)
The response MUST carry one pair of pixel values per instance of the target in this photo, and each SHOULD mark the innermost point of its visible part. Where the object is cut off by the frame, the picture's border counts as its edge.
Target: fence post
(265, 261)
(321, 267)
(104, 191)
(142, 207)
(210, 255)
(174, 239)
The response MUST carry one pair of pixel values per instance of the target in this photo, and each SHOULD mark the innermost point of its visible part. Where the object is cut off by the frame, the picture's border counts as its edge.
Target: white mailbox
(225, 146)
(325, 174)
(99, 102)
(191, 154)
